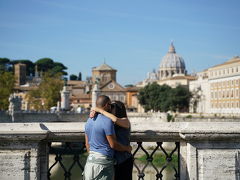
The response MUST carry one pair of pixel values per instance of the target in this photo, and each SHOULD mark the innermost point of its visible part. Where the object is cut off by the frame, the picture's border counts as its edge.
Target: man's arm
(117, 146)
(86, 143)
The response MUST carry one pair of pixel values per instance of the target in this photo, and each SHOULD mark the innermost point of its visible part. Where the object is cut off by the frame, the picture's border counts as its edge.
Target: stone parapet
(208, 150)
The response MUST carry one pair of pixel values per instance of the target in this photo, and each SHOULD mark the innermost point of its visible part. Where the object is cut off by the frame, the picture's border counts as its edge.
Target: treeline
(164, 98)
(46, 95)
(43, 65)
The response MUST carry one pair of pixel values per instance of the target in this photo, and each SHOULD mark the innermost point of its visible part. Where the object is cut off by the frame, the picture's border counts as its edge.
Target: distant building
(217, 89)
(114, 91)
(171, 65)
(103, 74)
(79, 93)
(132, 103)
(224, 82)
(172, 71)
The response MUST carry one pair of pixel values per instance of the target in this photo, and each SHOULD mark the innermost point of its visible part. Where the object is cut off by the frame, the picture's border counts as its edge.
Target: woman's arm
(123, 122)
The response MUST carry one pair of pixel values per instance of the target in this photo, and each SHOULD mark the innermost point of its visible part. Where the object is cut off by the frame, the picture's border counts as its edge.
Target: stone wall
(23, 116)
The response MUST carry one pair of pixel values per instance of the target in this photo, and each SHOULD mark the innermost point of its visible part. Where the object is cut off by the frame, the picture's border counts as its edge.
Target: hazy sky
(132, 35)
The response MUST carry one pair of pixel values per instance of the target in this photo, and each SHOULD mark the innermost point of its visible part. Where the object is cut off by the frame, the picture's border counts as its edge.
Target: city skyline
(131, 37)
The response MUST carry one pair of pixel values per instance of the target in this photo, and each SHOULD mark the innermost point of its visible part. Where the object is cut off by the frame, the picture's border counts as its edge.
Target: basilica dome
(172, 64)
(172, 60)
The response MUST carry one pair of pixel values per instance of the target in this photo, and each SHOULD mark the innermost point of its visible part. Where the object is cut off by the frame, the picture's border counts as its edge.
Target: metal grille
(167, 160)
(75, 149)
(170, 159)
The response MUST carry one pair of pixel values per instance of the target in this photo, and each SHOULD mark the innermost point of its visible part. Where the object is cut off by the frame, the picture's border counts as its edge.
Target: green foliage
(48, 92)
(4, 63)
(179, 97)
(73, 77)
(159, 159)
(154, 97)
(6, 88)
(189, 116)
(44, 64)
(170, 117)
(164, 98)
(129, 85)
(48, 65)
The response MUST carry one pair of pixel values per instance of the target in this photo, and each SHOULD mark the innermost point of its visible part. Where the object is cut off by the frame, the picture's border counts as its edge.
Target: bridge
(199, 150)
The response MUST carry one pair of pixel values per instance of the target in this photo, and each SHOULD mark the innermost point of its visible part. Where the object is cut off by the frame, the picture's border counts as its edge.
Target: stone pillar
(65, 98)
(23, 152)
(95, 94)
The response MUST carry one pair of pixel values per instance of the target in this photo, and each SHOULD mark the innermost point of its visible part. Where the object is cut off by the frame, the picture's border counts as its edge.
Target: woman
(124, 166)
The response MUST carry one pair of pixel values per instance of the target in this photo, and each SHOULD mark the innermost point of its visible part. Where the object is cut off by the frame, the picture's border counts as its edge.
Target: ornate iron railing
(156, 158)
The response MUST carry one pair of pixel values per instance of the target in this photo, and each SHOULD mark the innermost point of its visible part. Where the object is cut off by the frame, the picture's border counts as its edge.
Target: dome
(172, 60)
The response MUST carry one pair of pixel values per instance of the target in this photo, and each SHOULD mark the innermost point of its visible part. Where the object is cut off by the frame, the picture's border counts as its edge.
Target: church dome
(172, 60)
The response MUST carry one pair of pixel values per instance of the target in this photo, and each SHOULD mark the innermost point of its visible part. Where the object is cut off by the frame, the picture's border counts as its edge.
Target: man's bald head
(102, 101)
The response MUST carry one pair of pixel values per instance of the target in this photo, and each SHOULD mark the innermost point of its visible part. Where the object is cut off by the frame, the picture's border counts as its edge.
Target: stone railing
(208, 150)
(42, 116)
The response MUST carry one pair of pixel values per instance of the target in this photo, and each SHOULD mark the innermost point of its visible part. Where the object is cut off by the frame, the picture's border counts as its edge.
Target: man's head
(103, 102)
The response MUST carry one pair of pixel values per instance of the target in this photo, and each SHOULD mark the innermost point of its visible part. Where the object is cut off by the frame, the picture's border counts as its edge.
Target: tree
(48, 65)
(180, 98)
(48, 92)
(44, 64)
(6, 88)
(154, 97)
(79, 76)
(129, 85)
(164, 98)
(58, 68)
(4, 64)
(73, 77)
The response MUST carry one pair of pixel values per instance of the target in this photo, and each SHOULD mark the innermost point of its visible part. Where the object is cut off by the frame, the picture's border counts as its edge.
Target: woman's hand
(92, 113)
(96, 109)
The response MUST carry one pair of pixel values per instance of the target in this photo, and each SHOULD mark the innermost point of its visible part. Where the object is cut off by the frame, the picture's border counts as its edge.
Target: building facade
(224, 83)
(217, 89)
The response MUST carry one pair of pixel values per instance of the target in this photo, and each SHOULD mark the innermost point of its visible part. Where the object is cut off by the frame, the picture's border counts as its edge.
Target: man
(101, 142)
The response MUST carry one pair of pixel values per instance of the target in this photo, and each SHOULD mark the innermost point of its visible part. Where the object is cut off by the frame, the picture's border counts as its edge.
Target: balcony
(197, 150)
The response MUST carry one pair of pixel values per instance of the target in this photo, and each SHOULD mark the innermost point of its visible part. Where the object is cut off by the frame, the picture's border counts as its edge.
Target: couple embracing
(107, 137)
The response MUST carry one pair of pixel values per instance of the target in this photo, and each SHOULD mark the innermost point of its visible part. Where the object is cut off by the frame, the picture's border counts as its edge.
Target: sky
(131, 36)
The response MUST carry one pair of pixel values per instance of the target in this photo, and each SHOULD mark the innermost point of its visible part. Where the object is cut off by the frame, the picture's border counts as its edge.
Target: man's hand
(129, 149)
(117, 146)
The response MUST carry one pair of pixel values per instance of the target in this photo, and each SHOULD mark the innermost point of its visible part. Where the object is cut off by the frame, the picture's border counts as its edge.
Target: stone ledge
(173, 131)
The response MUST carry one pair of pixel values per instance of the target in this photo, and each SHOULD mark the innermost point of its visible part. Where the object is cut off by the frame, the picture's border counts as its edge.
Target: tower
(103, 74)
(20, 73)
